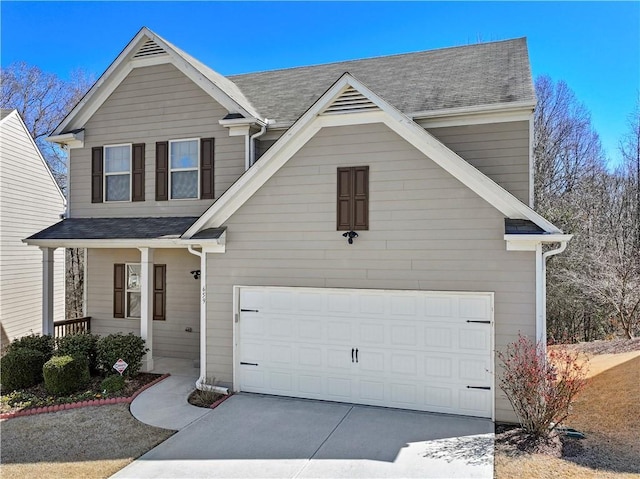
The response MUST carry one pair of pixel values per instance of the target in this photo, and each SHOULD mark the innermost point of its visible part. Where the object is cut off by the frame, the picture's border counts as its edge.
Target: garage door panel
(414, 350)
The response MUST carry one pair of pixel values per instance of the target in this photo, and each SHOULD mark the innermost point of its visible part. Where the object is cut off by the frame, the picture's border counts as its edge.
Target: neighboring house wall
(156, 103)
(499, 150)
(183, 300)
(427, 232)
(29, 202)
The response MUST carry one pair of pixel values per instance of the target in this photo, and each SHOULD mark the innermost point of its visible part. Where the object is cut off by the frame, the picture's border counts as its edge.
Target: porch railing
(67, 327)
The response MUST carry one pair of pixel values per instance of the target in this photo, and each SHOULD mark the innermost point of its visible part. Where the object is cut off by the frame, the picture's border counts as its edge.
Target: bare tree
(42, 100)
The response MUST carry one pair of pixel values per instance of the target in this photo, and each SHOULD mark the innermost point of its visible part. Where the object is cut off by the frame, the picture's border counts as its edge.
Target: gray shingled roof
(521, 227)
(481, 74)
(117, 228)
(4, 112)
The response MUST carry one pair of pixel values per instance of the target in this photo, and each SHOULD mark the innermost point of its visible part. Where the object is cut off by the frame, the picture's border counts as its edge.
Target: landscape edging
(75, 405)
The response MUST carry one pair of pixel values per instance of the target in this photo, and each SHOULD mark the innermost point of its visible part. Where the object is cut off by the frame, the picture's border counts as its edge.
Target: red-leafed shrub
(540, 386)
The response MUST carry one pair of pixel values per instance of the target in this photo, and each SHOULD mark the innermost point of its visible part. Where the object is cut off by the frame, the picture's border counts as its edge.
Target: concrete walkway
(251, 435)
(165, 404)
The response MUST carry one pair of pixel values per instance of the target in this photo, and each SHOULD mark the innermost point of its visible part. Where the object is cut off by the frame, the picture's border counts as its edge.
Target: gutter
(252, 143)
(541, 289)
(201, 383)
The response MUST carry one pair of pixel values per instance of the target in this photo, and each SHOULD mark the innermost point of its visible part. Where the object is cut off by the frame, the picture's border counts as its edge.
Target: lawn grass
(607, 412)
(91, 442)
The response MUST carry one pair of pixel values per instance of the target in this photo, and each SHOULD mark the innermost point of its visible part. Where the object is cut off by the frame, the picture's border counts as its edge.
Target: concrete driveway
(272, 437)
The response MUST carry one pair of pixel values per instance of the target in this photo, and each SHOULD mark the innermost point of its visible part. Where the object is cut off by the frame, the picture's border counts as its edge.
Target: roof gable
(148, 48)
(349, 101)
(5, 116)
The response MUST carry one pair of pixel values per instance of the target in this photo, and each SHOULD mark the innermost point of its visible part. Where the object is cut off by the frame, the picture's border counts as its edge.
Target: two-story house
(358, 231)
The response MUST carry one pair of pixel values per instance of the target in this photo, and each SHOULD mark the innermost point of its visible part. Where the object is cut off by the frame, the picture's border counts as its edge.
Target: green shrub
(82, 345)
(65, 374)
(130, 348)
(45, 344)
(112, 384)
(21, 368)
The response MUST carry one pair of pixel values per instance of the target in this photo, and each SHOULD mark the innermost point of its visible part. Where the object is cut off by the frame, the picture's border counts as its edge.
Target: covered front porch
(154, 287)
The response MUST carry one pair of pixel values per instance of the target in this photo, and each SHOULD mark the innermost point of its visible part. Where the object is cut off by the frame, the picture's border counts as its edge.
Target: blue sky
(593, 46)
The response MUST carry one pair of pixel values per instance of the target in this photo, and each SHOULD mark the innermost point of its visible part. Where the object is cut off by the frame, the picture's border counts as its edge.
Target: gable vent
(350, 101)
(149, 49)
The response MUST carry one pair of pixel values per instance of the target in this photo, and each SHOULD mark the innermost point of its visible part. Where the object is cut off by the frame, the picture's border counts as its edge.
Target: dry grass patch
(607, 412)
(92, 442)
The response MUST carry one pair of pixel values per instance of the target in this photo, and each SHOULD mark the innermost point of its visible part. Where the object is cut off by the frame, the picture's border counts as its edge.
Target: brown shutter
(360, 198)
(344, 199)
(206, 168)
(138, 172)
(96, 174)
(159, 291)
(118, 290)
(353, 198)
(162, 171)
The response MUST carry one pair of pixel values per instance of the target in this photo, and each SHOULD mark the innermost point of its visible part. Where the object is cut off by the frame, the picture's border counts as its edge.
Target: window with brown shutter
(353, 198)
(118, 290)
(159, 292)
(138, 172)
(162, 171)
(96, 174)
(206, 168)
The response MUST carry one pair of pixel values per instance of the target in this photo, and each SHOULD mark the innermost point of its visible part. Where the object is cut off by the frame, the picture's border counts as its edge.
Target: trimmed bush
(112, 384)
(44, 344)
(130, 348)
(65, 374)
(80, 345)
(21, 368)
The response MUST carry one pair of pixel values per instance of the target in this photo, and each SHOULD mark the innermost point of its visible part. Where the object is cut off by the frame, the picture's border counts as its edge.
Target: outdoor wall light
(350, 235)
(196, 274)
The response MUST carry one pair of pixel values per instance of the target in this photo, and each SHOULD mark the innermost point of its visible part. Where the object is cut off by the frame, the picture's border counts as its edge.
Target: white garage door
(429, 351)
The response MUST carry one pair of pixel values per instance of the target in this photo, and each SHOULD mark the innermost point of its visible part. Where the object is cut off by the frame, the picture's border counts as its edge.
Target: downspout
(541, 259)
(201, 383)
(247, 151)
(252, 143)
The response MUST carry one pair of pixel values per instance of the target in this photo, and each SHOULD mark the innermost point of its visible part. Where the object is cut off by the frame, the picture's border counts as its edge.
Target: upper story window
(117, 173)
(183, 163)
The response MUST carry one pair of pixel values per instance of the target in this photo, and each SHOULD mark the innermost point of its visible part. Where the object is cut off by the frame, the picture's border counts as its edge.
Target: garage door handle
(356, 355)
(480, 322)
(248, 364)
(352, 351)
(248, 310)
(486, 388)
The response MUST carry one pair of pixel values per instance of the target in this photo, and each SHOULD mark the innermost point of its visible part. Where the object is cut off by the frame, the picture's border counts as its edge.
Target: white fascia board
(42, 160)
(475, 119)
(70, 140)
(308, 125)
(212, 246)
(123, 65)
(497, 108)
(520, 242)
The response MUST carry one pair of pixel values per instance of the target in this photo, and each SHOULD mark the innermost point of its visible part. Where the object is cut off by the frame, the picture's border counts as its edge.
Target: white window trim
(127, 291)
(197, 168)
(105, 174)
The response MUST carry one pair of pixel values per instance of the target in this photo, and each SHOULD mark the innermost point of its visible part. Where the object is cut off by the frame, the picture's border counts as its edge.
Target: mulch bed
(614, 346)
(36, 399)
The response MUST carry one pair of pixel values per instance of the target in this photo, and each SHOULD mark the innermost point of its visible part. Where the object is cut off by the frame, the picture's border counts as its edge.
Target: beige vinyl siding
(182, 294)
(156, 103)
(427, 232)
(499, 150)
(29, 202)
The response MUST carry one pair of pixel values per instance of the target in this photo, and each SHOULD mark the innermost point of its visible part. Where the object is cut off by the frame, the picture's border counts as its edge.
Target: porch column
(146, 306)
(47, 290)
